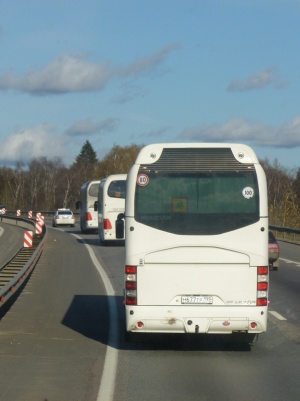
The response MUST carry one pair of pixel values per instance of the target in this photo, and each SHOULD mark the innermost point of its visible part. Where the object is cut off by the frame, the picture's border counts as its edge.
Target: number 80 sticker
(142, 180)
(248, 192)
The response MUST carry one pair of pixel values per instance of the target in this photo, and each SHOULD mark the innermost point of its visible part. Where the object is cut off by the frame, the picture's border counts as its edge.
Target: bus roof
(114, 177)
(87, 184)
(151, 153)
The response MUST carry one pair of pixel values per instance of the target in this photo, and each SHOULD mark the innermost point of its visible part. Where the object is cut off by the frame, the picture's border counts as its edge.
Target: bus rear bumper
(220, 321)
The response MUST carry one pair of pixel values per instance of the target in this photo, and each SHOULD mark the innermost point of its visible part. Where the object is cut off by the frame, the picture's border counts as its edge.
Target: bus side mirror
(96, 206)
(120, 226)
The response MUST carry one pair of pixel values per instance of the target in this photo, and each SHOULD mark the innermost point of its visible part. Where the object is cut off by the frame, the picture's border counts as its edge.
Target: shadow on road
(88, 315)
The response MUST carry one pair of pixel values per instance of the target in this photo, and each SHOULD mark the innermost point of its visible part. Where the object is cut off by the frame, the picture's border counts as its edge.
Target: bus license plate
(197, 299)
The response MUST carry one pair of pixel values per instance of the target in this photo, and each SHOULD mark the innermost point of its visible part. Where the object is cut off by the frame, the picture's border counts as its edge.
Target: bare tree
(282, 198)
(16, 180)
(118, 160)
(47, 184)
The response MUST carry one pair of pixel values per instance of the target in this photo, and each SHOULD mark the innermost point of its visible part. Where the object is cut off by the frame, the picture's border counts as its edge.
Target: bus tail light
(130, 285)
(89, 216)
(262, 285)
(107, 224)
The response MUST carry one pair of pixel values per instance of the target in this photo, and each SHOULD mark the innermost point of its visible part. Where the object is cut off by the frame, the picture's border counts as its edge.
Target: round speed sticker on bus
(142, 180)
(248, 192)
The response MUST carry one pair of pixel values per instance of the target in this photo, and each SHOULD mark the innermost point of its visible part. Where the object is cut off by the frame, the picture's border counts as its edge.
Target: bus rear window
(198, 204)
(116, 189)
(93, 190)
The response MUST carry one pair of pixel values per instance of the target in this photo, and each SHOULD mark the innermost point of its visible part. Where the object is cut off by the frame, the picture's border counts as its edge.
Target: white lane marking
(108, 379)
(277, 315)
(290, 262)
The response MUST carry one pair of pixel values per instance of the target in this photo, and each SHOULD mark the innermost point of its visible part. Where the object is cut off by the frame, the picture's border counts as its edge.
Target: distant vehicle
(88, 197)
(196, 253)
(111, 203)
(273, 252)
(63, 217)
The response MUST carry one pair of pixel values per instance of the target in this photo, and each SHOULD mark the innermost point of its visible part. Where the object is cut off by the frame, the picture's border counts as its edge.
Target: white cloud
(242, 130)
(32, 143)
(258, 80)
(65, 74)
(71, 73)
(44, 141)
(87, 127)
(146, 64)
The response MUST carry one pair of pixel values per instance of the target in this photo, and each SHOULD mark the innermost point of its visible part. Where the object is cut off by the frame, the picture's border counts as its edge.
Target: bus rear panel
(196, 241)
(88, 197)
(111, 203)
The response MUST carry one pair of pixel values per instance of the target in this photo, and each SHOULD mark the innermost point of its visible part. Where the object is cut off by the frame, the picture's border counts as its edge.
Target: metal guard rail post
(12, 286)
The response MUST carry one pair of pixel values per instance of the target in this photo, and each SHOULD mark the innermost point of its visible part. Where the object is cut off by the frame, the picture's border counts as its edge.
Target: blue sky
(123, 72)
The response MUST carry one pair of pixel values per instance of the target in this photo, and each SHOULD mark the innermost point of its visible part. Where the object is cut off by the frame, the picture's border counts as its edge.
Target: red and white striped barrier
(30, 214)
(28, 239)
(40, 219)
(3, 210)
(18, 212)
(38, 227)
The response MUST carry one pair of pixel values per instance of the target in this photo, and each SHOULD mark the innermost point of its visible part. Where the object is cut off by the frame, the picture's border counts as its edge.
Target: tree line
(283, 194)
(45, 185)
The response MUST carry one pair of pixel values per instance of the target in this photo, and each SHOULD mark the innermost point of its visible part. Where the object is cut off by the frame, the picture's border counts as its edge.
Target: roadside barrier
(28, 235)
(15, 273)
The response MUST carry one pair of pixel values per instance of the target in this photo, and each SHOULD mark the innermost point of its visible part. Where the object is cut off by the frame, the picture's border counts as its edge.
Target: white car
(63, 217)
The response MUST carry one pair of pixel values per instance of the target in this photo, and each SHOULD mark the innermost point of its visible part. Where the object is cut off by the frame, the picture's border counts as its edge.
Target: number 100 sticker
(142, 180)
(248, 192)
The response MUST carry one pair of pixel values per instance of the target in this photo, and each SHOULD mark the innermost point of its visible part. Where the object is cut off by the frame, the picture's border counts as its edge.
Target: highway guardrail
(15, 273)
(286, 233)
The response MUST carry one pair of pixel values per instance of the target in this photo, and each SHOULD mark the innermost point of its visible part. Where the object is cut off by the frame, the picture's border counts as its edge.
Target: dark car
(273, 252)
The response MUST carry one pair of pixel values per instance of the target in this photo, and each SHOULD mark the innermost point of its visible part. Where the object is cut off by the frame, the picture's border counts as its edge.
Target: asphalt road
(11, 240)
(53, 339)
(57, 341)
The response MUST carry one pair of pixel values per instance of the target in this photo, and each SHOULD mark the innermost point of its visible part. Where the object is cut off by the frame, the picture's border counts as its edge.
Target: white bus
(111, 203)
(196, 251)
(88, 196)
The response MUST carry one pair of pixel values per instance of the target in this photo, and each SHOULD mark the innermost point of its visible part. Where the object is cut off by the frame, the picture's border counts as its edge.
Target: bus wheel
(129, 337)
(82, 230)
(249, 338)
(245, 338)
